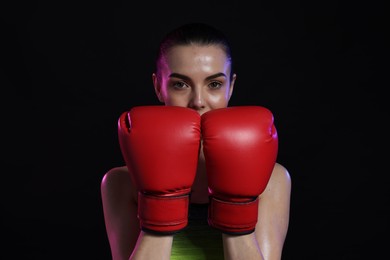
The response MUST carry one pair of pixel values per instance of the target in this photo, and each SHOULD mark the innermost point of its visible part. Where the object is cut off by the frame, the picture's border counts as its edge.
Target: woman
(194, 69)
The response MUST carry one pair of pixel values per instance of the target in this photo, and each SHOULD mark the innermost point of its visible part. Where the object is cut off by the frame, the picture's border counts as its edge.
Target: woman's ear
(157, 87)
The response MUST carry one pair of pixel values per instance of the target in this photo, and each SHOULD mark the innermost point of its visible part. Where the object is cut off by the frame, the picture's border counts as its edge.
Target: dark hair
(197, 34)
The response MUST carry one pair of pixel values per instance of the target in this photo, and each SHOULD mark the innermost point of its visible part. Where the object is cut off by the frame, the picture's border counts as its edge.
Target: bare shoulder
(116, 185)
(116, 176)
(280, 181)
(118, 170)
(280, 174)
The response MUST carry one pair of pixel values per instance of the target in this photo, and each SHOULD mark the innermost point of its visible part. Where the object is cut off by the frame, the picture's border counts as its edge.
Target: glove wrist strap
(234, 218)
(163, 214)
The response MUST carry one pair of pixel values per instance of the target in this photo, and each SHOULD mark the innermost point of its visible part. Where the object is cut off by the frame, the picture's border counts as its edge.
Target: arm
(119, 201)
(274, 213)
(243, 247)
(119, 198)
(271, 229)
(151, 246)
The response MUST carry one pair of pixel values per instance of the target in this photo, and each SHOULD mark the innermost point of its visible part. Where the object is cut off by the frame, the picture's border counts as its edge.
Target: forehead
(188, 58)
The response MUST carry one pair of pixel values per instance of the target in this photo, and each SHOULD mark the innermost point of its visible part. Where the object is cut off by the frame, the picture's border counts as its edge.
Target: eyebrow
(184, 77)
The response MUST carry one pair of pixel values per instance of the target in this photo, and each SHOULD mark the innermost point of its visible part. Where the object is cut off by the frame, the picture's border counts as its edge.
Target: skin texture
(197, 77)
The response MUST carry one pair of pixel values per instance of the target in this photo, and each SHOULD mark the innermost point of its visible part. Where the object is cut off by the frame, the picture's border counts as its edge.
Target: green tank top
(198, 241)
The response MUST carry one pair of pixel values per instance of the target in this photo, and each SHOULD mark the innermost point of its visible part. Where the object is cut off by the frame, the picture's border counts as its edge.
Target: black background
(70, 68)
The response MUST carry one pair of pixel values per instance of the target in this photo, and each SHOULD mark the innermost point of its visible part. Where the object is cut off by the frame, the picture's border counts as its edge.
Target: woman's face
(194, 76)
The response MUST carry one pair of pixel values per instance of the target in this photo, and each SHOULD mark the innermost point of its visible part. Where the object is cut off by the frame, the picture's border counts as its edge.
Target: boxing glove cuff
(162, 214)
(233, 218)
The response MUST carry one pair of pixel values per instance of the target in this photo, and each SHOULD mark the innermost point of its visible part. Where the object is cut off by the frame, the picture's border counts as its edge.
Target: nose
(197, 101)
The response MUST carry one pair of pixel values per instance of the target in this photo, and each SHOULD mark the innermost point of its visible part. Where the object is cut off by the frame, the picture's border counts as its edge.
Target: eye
(215, 85)
(179, 85)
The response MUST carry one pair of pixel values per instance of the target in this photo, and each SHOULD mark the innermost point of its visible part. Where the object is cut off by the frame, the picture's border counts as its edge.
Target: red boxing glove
(240, 145)
(160, 145)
